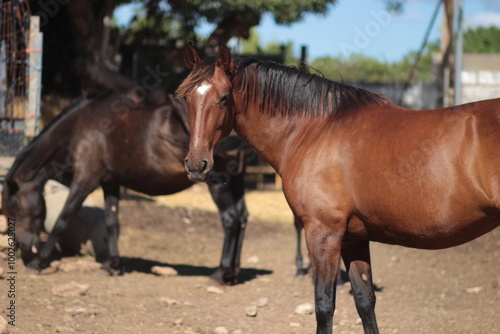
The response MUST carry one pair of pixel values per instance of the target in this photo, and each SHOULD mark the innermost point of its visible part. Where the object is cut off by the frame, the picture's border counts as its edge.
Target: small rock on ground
(214, 289)
(168, 301)
(251, 311)
(221, 330)
(164, 271)
(4, 326)
(72, 289)
(253, 259)
(81, 311)
(475, 289)
(79, 265)
(306, 308)
(64, 330)
(4, 241)
(262, 302)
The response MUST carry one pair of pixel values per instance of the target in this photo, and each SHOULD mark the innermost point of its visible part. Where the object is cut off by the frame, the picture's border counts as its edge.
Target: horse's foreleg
(241, 220)
(356, 258)
(230, 201)
(324, 243)
(111, 199)
(78, 191)
(301, 272)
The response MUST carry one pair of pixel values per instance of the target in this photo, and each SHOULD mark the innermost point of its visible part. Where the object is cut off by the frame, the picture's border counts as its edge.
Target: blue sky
(363, 26)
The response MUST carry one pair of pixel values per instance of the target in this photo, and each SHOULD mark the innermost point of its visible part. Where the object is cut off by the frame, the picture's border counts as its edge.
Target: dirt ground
(448, 291)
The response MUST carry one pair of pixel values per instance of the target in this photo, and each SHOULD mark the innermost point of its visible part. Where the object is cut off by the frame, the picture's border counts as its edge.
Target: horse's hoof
(31, 271)
(223, 278)
(302, 272)
(112, 268)
(112, 271)
(37, 265)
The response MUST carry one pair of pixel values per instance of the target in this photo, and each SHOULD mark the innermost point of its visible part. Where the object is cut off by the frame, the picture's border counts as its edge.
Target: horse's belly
(155, 184)
(429, 231)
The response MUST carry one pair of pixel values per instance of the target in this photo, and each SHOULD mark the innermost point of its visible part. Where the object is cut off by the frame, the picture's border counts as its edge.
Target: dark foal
(112, 141)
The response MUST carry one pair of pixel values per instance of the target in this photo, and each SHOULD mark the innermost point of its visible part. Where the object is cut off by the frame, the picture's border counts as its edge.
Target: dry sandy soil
(448, 291)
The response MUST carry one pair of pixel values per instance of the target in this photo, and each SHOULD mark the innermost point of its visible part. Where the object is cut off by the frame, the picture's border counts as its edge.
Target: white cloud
(484, 19)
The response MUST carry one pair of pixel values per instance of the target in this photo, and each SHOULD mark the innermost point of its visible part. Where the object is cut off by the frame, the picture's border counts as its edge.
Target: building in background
(480, 77)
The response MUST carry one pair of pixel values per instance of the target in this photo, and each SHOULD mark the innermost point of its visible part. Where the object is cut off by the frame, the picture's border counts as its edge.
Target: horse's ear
(191, 56)
(224, 58)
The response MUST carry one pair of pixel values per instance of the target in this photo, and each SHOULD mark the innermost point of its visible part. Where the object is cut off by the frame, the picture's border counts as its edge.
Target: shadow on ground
(141, 265)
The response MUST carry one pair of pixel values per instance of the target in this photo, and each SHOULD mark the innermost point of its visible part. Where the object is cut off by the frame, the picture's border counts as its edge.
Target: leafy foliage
(482, 40)
(190, 13)
(155, 29)
(252, 46)
(359, 68)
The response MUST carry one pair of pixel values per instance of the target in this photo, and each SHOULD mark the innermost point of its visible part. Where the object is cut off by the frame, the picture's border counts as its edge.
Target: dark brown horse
(110, 141)
(355, 167)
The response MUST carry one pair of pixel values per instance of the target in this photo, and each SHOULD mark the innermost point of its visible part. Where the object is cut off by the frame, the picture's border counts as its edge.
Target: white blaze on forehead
(203, 88)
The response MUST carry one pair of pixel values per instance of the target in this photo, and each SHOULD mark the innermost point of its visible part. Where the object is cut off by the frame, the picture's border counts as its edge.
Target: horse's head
(207, 91)
(24, 207)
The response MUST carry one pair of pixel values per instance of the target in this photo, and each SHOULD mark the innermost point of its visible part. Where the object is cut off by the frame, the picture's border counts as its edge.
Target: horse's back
(427, 179)
(140, 146)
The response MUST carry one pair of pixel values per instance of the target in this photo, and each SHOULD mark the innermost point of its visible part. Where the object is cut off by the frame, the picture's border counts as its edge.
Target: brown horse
(112, 141)
(355, 167)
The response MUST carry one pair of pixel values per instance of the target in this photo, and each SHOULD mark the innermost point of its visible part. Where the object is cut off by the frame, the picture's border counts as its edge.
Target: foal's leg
(324, 243)
(111, 198)
(230, 200)
(301, 272)
(78, 191)
(356, 257)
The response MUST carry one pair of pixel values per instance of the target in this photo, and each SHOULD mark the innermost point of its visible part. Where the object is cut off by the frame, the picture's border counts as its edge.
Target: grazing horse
(112, 141)
(355, 167)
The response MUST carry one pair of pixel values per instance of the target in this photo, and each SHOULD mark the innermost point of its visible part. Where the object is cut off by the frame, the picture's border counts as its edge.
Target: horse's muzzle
(197, 172)
(29, 245)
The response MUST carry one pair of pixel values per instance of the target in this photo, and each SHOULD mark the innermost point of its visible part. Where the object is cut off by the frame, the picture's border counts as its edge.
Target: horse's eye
(223, 100)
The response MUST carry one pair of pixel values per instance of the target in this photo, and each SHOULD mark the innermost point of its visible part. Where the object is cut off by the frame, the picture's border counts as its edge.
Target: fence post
(34, 51)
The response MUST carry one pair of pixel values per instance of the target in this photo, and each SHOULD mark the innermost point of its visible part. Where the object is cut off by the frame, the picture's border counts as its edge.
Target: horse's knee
(232, 220)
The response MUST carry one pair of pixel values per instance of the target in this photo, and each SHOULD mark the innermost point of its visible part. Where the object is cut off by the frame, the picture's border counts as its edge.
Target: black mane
(298, 92)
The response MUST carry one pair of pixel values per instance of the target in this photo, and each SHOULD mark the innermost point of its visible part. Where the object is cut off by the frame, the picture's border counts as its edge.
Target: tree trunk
(91, 39)
(234, 26)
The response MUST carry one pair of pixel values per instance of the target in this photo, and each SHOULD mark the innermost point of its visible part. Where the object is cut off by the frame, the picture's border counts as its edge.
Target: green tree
(359, 68)
(145, 29)
(77, 33)
(252, 45)
(482, 40)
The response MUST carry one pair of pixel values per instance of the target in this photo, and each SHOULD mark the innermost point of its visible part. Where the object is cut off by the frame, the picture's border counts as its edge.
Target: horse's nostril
(204, 165)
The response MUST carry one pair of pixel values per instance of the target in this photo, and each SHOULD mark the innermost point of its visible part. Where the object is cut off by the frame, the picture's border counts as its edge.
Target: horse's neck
(41, 161)
(29, 175)
(271, 136)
